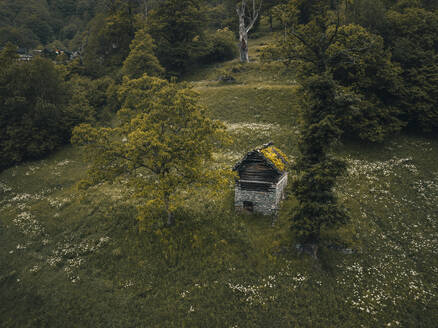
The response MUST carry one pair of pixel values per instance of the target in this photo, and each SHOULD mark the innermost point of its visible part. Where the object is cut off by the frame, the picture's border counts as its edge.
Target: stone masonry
(263, 202)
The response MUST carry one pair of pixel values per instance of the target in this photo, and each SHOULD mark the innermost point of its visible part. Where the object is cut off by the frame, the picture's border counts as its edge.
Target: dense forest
(383, 56)
(150, 94)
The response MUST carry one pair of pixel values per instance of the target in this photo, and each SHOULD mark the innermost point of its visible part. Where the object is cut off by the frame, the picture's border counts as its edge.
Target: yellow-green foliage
(163, 147)
(273, 154)
(141, 58)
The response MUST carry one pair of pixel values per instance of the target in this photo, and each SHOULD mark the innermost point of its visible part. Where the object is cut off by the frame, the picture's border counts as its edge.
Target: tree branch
(255, 15)
(338, 23)
(303, 41)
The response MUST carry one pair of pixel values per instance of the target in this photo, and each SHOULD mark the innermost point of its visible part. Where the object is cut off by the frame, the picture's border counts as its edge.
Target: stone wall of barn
(281, 185)
(264, 202)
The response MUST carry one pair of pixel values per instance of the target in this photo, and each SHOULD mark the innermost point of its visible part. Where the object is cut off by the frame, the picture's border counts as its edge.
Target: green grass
(251, 103)
(72, 258)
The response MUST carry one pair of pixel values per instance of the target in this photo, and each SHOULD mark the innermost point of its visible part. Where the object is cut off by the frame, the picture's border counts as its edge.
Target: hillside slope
(71, 258)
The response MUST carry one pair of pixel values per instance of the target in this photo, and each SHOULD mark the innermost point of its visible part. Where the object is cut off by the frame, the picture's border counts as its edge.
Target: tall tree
(318, 209)
(162, 148)
(357, 61)
(108, 38)
(360, 64)
(322, 103)
(177, 27)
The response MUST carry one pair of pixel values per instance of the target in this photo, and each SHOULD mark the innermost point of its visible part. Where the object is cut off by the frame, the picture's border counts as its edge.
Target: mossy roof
(272, 155)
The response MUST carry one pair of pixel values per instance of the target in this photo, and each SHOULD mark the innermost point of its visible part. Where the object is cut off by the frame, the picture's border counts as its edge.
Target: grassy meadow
(76, 258)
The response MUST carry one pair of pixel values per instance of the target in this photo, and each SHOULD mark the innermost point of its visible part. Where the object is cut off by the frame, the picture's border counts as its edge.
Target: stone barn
(262, 178)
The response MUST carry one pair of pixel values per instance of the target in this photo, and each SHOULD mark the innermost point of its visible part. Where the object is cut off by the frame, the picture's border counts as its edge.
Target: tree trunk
(243, 29)
(271, 21)
(244, 56)
(314, 248)
(309, 249)
(170, 219)
(243, 39)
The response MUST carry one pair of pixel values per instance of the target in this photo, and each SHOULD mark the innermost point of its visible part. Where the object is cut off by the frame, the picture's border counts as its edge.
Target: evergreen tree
(357, 61)
(323, 103)
(142, 59)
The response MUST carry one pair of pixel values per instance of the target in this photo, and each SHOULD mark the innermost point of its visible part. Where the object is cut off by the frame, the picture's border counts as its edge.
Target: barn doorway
(248, 206)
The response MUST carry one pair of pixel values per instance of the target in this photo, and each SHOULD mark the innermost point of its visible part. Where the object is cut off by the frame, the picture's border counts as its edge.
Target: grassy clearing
(72, 258)
(251, 103)
(252, 73)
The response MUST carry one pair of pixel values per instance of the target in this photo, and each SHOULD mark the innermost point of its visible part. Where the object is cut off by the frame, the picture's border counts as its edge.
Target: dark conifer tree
(177, 27)
(322, 101)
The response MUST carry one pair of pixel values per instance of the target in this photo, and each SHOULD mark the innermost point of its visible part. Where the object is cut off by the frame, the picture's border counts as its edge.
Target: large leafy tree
(413, 38)
(109, 35)
(35, 113)
(31, 16)
(177, 26)
(368, 13)
(360, 64)
(268, 9)
(28, 23)
(163, 147)
(357, 61)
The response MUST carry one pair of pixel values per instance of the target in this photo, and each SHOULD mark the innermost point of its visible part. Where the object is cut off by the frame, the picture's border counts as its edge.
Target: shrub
(226, 77)
(222, 46)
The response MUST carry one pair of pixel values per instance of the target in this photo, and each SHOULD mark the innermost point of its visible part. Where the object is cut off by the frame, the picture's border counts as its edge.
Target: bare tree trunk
(243, 39)
(244, 29)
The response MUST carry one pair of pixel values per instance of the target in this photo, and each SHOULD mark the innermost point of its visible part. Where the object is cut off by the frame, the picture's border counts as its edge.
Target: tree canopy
(36, 114)
(177, 26)
(141, 58)
(163, 147)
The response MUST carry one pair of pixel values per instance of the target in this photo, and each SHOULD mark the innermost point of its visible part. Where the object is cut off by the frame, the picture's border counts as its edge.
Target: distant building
(262, 180)
(25, 57)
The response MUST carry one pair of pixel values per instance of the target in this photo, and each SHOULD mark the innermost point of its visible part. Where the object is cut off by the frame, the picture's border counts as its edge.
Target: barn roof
(273, 157)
